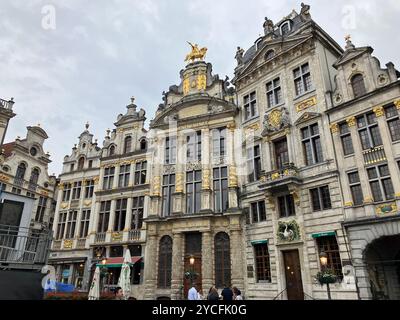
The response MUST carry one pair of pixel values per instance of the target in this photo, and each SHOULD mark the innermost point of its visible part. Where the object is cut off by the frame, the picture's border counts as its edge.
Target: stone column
(232, 170)
(57, 213)
(128, 219)
(101, 178)
(236, 257)
(177, 267)
(150, 270)
(116, 177)
(112, 216)
(207, 261)
(179, 204)
(206, 171)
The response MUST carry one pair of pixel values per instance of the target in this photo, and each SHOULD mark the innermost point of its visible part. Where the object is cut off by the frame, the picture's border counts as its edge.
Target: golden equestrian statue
(196, 53)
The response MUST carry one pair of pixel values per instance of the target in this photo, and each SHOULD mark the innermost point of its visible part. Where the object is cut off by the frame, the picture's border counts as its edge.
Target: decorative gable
(307, 116)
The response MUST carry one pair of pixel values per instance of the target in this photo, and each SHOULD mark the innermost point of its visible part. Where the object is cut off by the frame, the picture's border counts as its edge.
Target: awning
(324, 234)
(259, 242)
(117, 262)
(76, 260)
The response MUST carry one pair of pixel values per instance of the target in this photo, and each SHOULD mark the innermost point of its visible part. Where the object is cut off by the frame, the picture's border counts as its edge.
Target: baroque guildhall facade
(246, 183)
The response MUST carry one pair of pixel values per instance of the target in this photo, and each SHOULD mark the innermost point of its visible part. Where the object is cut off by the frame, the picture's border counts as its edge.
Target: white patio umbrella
(94, 292)
(124, 280)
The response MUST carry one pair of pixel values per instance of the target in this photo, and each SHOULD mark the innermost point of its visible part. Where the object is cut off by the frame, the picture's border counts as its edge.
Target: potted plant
(326, 276)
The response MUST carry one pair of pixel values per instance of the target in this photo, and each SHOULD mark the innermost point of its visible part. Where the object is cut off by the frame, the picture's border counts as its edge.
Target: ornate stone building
(24, 172)
(75, 211)
(248, 185)
(365, 124)
(194, 211)
(291, 193)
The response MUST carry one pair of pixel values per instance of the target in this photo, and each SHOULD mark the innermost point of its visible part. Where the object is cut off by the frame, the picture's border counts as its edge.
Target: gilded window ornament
(233, 180)
(186, 86)
(397, 104)
(206, 179)
(68, 244)
(156, 186)
(179, 182)
(334, 128)
(351, 122)
(379, 111)
(276, 120)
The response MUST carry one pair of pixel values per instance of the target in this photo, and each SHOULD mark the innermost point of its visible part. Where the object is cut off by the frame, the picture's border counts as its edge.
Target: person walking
(237, 294)
(192, 294)
(118, 293)
(227, 293)
(213, 294)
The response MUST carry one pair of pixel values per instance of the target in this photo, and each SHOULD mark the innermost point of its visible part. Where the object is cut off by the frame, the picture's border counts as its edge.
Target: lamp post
(323, 258)
(191, 262)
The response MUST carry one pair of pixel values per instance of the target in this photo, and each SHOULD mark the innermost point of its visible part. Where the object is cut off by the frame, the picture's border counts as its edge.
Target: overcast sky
(103, 52)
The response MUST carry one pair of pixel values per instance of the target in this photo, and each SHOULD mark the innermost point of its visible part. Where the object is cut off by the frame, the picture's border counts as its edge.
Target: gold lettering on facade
(306, 104)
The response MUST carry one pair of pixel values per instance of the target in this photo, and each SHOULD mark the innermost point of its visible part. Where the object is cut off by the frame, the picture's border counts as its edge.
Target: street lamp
(191, 262)
(323, 258)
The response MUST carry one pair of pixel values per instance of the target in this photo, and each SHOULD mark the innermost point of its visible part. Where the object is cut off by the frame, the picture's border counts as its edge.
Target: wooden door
(196, 268)
(294, 283)
(281, 153)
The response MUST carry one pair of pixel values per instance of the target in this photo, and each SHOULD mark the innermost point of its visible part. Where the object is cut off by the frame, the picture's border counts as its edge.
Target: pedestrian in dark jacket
(227, 293)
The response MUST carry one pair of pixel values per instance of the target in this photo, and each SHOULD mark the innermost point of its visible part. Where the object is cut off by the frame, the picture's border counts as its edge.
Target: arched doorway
(382, 260)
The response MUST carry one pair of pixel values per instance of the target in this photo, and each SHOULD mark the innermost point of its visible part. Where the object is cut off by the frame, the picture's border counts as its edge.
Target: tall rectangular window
(89, 189)
(254, 163)
(393, 121)
(193, 146)
(62, 220)
(85, 220)
(66, 192)
(312, 144)
(345, 137)
(330, 247)
(257, 211)
(104, 216)
(168, 188)
(286, 206)
(321, 199)
(262, 260)
(120, 214)
(140, 172)
(302, 79)
(274, 93)
(137, 213)
(71, 224)
(219, 142)
(355, 188)
(108, 178)
(76, 190)
(193, 191)
(368, 130)
(281, 153)
(41, 209)
(250, 106)
(124, 175)
(220, 183)
(170, 150)
(381, 183)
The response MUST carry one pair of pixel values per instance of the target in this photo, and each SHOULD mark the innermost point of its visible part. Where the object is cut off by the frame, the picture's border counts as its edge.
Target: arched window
(128, 144)
(21, 171)
(81, 163)
(143, 144)
(270, 54)
(165, 262)
(111, 151)
(222, 260)
(357, 82)
(34, 176)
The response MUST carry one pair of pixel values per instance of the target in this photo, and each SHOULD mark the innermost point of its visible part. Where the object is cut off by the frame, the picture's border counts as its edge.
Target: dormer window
(143, 144)
(111, 151)
(128, 144)
(258, 43)
(81, 163)
(33, 151)
(269, 55)
(357, 82)
(285, 28)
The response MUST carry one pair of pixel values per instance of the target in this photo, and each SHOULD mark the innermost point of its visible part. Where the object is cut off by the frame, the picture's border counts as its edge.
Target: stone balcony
(280, 178)
(374, 155)
(6, 104)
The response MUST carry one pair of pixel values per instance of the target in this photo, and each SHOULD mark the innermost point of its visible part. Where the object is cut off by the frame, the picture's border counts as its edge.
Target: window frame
(367, 127)
(120, 214)
(355, 186)
(124, 175)
(140, 173)
(262, 262)
(288, 202)
(274, 91)
(320, 199)
(346, 139)
(219, 136)
(302, 77)
(220, 193)
(193, 142)
(137, 213)
(395, 118)
(168, 189)
(261, 212)
(312, 138)
(380, 179)
(250, 110)
(170, 150)
(108, 178)
(254, 163)
(85, 221)
(193, 196)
